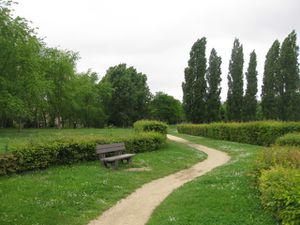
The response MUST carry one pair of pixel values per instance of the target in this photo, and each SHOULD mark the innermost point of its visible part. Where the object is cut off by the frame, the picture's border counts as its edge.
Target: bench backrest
(117, 147)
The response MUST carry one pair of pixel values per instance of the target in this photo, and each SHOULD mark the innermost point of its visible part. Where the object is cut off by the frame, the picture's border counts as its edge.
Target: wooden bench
(112, 154)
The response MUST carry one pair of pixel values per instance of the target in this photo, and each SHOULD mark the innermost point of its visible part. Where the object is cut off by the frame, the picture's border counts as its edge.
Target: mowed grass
(9, 138)
(78, 193)
(225, 196)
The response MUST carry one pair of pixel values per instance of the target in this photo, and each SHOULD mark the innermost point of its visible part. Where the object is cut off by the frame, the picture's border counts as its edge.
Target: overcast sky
(155, 36)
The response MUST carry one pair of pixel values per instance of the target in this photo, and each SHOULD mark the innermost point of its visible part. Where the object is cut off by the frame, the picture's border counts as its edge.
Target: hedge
(291, 139)
(286, 157)
(258, 133)
(280, 193)
(150, 125)
(67, 150)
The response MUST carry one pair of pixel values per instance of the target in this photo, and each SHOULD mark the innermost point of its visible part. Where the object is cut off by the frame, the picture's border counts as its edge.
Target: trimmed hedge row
(286, 157)
(150, 125)
(258, 133)
(291, 139)
(67, 150)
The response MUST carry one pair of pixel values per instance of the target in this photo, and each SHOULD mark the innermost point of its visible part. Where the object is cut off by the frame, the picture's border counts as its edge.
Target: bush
(150, 125)
(67, 150)
(280, 193)
(292, 139)
(287, 157)
(144, 142)
(258, 133)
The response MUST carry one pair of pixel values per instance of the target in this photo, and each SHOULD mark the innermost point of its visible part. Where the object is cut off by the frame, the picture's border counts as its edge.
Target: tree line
(280, 97)
(40, 86)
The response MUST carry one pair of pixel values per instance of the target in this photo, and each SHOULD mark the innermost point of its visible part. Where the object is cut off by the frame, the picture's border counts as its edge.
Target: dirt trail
(137, 208)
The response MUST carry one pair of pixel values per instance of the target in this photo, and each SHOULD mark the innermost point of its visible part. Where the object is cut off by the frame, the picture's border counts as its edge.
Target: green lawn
(11, 137)
(225, 196)
(77, 193)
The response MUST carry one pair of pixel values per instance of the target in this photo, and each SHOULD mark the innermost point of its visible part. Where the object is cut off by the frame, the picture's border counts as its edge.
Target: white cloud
(156, 36)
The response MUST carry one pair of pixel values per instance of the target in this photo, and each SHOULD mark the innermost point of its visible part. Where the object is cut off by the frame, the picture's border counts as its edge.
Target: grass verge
(77, 193)
(227, 195)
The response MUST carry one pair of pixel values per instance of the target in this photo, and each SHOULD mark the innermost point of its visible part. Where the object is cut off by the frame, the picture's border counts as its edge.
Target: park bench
(112, 154)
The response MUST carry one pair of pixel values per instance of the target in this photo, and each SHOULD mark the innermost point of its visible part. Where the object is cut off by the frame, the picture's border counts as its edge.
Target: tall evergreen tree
(250, 102)
(194, 87)
(213, 77)
(235, 83)
(269, 87)
(288, 84)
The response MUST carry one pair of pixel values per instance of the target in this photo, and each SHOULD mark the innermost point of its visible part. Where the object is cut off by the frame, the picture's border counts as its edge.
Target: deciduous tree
(250, 102)
(270, 78)
(235, 83)
(213, 77)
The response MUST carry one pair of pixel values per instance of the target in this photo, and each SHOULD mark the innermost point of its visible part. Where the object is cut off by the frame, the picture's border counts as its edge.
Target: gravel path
(137, 208)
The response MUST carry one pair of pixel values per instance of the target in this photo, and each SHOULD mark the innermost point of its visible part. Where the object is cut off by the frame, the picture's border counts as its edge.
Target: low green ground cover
(77, 193)
(227, 195)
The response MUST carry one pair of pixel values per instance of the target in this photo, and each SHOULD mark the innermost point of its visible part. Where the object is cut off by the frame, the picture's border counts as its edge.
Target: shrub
(280, 193)
(258, 133)
(67, 150)
(150, 125)
(292, 139)
(144, 142)
(287, 157)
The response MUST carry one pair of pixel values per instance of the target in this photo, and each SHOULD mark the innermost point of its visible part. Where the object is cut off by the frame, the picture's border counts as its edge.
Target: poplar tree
(235, 83)
(194, 87)
(213, 77)
(270, 79)
(250, 102)
(288, 83)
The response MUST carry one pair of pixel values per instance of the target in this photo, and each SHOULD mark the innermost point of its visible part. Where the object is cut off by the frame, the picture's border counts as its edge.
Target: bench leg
(129, 160)
(104, 164)
(115, 164)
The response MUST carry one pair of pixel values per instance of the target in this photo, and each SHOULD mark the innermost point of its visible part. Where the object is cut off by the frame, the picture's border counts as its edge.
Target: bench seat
(112, 154)
(117, 157)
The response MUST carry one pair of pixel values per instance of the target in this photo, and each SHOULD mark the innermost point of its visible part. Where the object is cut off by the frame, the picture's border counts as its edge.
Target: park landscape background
(51, 176)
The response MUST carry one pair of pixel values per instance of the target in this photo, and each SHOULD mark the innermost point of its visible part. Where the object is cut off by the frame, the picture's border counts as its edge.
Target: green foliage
(281, 82)
(150, 125)
(289, 80)
(280, 193)
(213, 77)
(21, 82)
(145, 142)
(258, 133)
(87, 105)
(71, 149)
(165, 108)
(130, 95)
(235, 83)
(286, 157)
(278, 172)
(194, 87)
(291, 139)
(59, 69)
(269, 87)
(250, 102)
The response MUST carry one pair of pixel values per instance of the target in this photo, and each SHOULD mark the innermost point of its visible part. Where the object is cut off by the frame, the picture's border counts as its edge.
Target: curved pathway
(137, 208)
